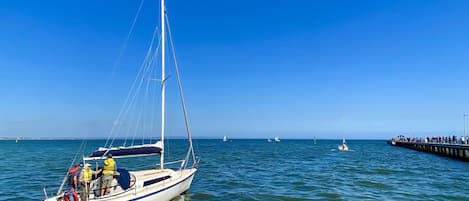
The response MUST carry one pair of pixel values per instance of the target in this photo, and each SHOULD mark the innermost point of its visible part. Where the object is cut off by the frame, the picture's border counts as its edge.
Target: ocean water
(258, 170)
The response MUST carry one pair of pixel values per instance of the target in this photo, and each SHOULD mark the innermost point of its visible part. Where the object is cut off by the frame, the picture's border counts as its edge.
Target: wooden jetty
(456, 151)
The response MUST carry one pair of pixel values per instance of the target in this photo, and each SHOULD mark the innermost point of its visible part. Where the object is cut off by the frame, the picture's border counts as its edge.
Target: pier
(449, 146)
(456, 150)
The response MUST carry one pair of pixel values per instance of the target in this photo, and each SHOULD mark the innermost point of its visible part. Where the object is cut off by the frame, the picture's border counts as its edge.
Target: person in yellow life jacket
(108, 174)
(86, 176)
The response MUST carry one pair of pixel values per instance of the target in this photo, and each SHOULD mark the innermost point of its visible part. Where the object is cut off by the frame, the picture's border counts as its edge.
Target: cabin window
(154, 181)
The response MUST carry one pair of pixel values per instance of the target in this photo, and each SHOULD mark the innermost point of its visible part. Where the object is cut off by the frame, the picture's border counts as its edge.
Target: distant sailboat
(343, 146)
(277, 139)
(17, 139)
(269, 140)
(225, 139)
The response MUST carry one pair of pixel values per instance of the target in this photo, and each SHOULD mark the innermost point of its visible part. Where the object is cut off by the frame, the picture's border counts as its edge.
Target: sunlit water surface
(258, 170)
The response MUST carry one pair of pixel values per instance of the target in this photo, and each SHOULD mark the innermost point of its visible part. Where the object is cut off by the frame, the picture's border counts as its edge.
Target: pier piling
(456, 151)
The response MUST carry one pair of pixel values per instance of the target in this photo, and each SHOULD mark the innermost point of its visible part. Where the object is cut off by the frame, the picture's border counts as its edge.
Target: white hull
(343, 147)
(168, 189)
(277, 139)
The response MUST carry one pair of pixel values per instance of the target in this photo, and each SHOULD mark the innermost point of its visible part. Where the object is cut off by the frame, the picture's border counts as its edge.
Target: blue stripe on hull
(162, 189)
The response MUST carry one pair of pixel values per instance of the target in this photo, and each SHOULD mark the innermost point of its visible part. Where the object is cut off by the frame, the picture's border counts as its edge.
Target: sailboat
(269, 140)
(158, 182)
(277, 139)
(343, 146)
(225, 139)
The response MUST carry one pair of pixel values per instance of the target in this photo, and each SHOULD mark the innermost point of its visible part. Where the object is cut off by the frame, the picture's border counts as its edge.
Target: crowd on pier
(436, 139)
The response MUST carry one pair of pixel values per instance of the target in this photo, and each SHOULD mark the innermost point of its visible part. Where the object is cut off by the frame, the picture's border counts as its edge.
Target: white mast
(162, 81)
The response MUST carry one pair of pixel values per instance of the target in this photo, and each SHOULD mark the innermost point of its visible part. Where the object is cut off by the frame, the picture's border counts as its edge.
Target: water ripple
(257, 170)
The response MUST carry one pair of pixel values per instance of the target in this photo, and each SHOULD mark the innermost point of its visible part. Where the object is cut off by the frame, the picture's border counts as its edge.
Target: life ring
(69, 193)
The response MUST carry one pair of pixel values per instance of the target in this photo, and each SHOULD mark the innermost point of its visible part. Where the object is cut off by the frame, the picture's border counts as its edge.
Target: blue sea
(258, 170)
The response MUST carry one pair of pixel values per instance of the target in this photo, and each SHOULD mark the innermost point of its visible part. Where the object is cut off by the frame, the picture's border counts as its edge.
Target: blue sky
(296, 69)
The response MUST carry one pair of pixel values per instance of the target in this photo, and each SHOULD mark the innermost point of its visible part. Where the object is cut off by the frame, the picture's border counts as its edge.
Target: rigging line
(150, 97)
(143, 104)
(155, 58)
(59, 191)
(148, 62)
(147, 100)
(130, 106)
(116, 123)
(136, 125)
(150, 70)
(133, 99)
(126, 105)
(141, 70)
(121, 52)
(152, 111)
(124, 46)
(186, 121)
(127, 134)
(134, 91)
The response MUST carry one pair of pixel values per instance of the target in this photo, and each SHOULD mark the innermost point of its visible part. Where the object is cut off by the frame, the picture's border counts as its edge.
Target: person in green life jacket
(86, 176)
(108, 174)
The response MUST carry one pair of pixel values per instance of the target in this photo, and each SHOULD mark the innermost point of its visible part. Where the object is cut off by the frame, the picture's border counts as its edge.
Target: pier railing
(454, 148)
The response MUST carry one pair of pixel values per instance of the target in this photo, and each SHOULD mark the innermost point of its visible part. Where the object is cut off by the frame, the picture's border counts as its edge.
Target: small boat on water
(225, 139)
(277, 139)
(269, 140)
(343, 146)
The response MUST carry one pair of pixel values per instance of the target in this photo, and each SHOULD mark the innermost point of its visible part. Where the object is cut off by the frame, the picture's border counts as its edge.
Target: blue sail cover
(127, 151)
(124, 178)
